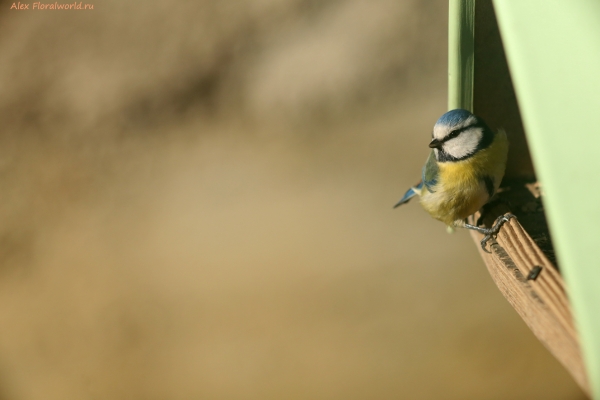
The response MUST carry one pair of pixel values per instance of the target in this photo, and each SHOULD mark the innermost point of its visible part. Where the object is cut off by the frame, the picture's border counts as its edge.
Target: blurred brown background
(196, 203)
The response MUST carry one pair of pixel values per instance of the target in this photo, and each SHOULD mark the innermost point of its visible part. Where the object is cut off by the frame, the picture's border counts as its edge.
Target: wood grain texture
(542, 302)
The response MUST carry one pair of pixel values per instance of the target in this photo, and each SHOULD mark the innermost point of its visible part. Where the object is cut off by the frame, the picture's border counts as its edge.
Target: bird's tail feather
(410, 193)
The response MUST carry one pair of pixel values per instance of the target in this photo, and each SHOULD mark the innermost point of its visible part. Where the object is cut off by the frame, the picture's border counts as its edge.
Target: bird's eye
(454, 133)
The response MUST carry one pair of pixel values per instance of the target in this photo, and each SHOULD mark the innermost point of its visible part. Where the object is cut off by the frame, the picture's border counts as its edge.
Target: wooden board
(540, 300)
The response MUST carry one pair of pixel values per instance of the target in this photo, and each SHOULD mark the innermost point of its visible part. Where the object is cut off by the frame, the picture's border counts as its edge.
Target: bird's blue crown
(453, 117)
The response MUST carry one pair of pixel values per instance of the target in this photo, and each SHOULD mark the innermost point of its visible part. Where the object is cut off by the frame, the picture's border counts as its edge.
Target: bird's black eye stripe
(454, 134)
(457, 132)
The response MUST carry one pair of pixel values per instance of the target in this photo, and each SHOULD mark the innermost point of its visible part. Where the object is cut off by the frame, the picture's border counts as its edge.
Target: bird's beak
(435, 144)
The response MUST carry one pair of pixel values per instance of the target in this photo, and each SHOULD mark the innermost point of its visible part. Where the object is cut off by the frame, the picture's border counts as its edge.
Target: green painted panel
(461, 31)
(553, 51)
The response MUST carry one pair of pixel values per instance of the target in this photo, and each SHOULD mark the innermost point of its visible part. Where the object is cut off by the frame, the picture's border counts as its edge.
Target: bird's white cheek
(461, 146)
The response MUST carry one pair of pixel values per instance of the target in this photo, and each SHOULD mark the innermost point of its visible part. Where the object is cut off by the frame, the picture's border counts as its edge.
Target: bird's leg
(491, 232)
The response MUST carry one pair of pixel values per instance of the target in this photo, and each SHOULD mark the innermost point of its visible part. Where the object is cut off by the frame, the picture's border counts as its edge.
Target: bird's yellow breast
(461, 190)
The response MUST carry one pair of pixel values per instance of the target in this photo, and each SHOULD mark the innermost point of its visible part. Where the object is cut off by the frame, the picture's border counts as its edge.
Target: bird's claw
(493, 231)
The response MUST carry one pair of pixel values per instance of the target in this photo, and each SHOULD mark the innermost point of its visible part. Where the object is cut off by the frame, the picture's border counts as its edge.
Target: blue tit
(463, 171)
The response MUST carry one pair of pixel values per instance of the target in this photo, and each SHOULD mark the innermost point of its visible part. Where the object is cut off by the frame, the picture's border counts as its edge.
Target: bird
(463, 171)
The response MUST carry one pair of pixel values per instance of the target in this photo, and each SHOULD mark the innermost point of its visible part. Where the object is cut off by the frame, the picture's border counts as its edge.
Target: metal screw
(534, 273)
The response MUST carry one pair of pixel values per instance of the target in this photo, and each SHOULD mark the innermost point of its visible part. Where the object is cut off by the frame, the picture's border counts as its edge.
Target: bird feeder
(533, 68)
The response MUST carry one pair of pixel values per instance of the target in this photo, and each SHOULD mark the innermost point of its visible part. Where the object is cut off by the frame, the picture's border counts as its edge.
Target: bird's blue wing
(430, 172)
(410, 193)
(429, 180)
